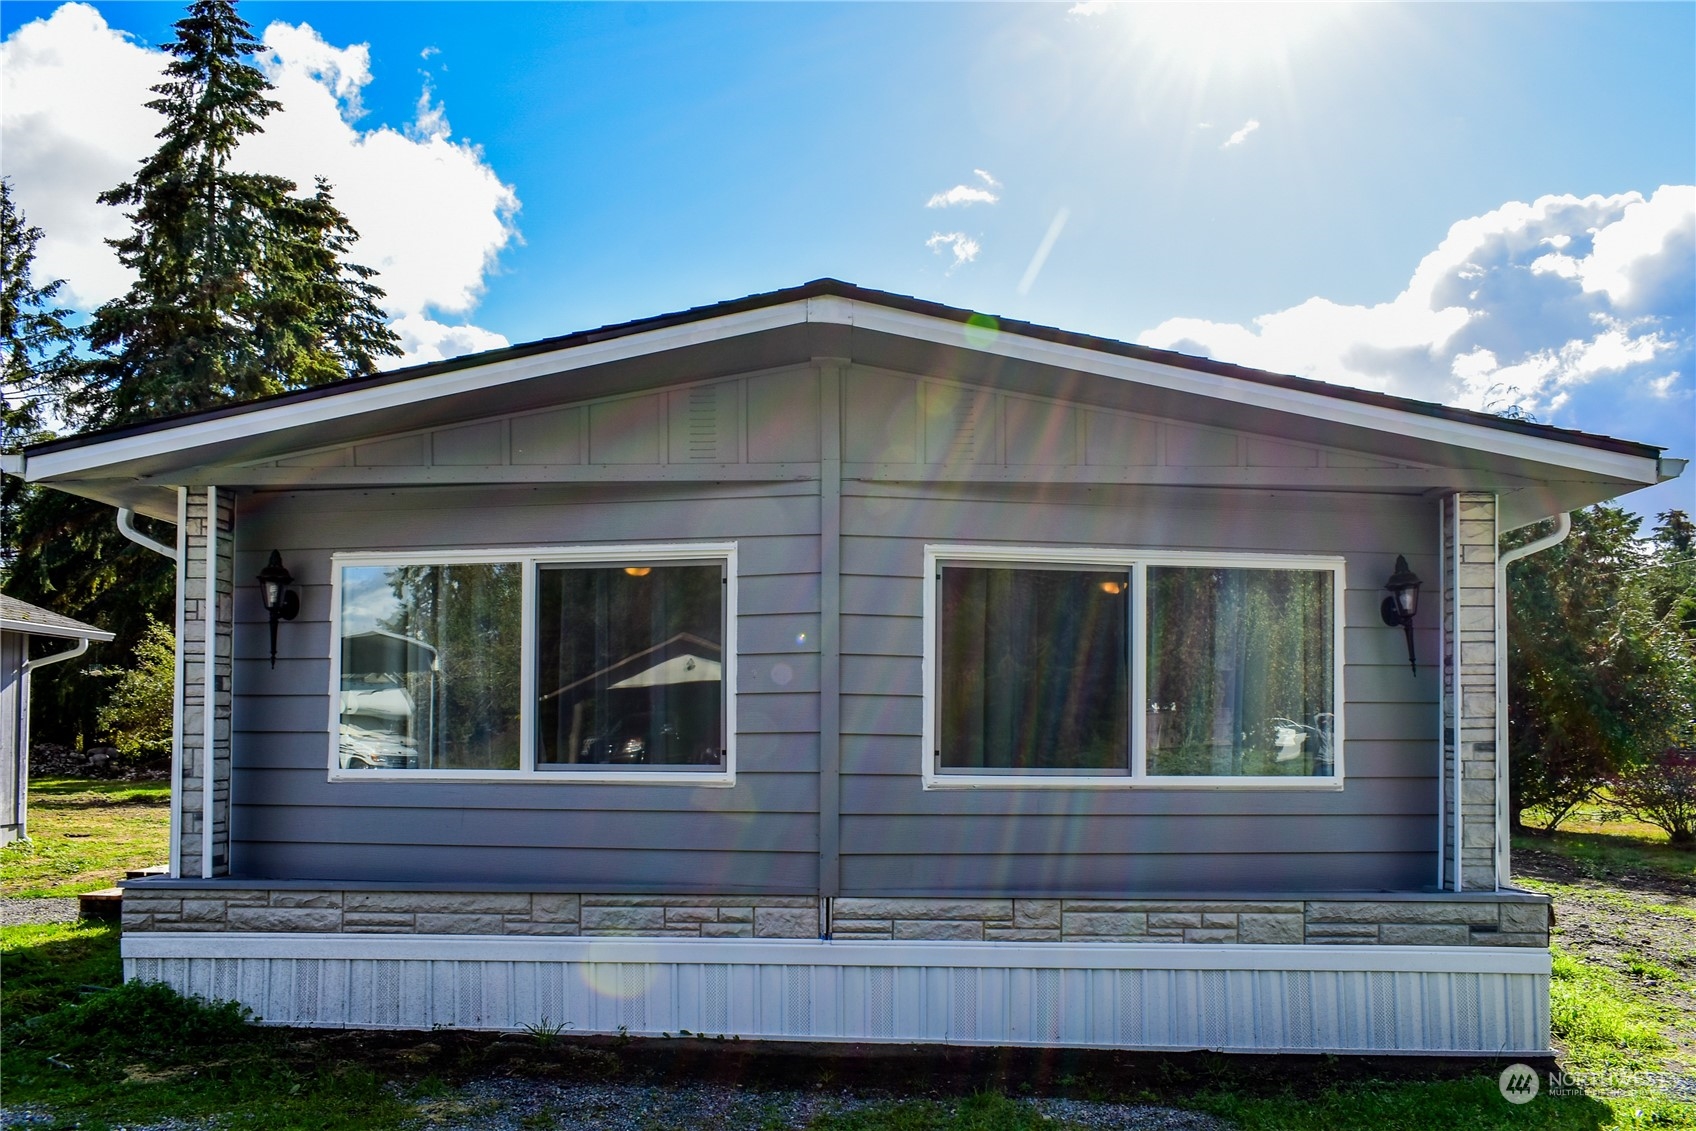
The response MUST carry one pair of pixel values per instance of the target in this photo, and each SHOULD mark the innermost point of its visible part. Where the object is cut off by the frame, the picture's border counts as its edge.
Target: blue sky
(1372, 194)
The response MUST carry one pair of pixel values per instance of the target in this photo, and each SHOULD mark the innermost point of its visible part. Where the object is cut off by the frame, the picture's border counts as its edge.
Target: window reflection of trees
(470, 614)
(1240, 672)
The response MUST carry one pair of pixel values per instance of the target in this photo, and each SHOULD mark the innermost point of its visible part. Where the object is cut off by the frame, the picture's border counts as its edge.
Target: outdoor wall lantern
(280, 601)
(1402, 603)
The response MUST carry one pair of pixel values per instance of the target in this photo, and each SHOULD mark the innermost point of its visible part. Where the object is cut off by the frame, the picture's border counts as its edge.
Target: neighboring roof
(835, 288)
(20, 616)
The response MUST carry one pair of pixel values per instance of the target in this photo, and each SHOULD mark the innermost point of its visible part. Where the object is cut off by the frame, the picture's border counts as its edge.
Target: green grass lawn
(1604, 843)
(85, 834)
(98, 1056)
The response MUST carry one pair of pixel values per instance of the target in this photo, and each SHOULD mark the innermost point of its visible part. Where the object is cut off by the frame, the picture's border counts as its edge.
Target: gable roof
(23, 617)
(835, 288)
(825, 317)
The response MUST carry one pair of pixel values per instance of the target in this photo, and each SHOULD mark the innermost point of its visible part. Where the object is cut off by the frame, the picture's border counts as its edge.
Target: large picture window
(1116, 667)
(605, 664)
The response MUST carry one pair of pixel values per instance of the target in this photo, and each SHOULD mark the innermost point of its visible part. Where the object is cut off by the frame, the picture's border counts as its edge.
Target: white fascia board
(1340, 410)
(836, 310)
(36, 628)
(375, 398)
(825, 952)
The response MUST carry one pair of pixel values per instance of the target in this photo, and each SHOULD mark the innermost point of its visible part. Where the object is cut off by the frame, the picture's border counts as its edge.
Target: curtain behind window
(1034, 670)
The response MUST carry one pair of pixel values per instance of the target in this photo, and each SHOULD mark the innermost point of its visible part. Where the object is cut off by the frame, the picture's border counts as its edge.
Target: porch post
(206, 605)
(1469, 687)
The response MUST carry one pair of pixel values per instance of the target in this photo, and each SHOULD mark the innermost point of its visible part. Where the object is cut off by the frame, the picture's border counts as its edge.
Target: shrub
(1662, 791)
(137, 1020)
(137, 713)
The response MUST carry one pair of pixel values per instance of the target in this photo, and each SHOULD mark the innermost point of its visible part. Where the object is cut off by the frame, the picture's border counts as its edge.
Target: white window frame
(530, 560)
(1136, 563)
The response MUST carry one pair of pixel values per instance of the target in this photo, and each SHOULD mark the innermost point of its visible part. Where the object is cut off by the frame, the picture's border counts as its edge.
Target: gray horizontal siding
(1058, 873)
(896, 838)
(378, 826)
(1377, 832)
(769, 791)
(1200, 837)
(1368, 759)
(870, 794)
(290, 820)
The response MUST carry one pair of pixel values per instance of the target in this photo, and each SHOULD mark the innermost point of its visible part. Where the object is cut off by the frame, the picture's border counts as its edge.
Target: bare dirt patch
(1637, 922)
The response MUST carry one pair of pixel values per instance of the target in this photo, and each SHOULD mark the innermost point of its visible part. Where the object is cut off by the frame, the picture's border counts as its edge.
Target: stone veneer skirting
(1518, 922)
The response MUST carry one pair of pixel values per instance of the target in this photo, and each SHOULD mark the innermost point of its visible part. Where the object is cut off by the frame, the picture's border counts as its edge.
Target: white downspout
(1504, 835)
(126, 527)
(29, 666)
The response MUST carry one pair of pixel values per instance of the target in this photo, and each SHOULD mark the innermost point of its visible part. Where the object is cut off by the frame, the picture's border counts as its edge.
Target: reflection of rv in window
(657, 707)
(382, 673)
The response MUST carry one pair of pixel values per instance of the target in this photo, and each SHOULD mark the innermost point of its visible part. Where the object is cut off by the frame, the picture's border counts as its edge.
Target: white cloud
(1241, 135)
(965, 248)
(961, 194)
(424, 339)
(1089, 7)
(967, 194)
(432, 214)
(1630, 259)
(343, 72)
(1494, 318)
(73, 124)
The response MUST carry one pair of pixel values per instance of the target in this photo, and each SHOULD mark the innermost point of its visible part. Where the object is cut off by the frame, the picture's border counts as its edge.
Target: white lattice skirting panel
(1346, 999)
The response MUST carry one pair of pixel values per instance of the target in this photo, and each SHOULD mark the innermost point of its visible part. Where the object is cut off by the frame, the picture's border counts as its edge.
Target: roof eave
(70, 462)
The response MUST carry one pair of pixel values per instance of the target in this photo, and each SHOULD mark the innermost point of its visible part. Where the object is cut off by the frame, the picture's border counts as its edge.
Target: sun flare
(1207, 36)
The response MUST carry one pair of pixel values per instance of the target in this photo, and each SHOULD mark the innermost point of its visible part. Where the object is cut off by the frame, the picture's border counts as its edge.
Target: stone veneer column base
(1498, 919)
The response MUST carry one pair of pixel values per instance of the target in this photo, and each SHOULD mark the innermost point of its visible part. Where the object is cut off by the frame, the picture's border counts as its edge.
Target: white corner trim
(1458, 696)
(209, 685)
(807, 952)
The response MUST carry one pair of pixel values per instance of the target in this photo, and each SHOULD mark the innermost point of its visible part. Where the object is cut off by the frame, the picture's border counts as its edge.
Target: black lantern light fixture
(1402, 603)
(280, 601)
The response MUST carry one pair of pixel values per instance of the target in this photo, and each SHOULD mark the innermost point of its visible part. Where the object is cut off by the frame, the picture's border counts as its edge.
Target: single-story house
(833, 665)
(19, 622)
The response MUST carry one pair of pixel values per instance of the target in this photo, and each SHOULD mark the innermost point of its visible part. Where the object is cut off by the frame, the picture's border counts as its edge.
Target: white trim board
(1345, 999)
(839, 952)
(835, 310)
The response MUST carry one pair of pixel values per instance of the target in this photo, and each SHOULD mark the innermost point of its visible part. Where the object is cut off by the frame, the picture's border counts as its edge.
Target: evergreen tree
(35, 343)
(1597, 683)
(240, 289)
(1672, 584)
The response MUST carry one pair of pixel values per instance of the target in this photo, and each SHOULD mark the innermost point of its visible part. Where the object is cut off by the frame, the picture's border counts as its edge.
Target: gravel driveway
(532, 1105)
(16, 912)
(537, 1105)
